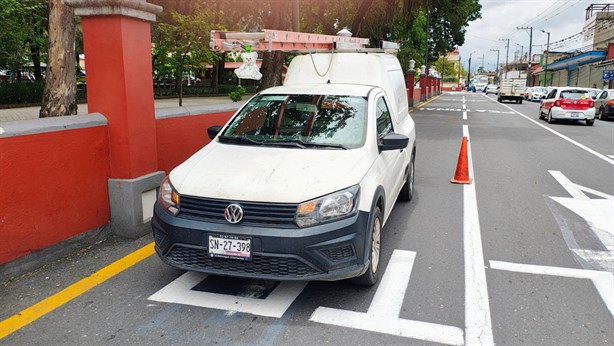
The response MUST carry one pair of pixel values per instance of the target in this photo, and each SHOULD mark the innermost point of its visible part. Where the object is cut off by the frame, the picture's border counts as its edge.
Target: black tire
(550, 120)
(590, 122)
(602, 114)
(499, 99)
(520, 101)
(407, 191)
(371, 276)
(541, 115)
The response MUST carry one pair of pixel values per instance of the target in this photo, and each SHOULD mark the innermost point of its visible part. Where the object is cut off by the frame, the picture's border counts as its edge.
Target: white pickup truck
(301, 180)
(512, 89)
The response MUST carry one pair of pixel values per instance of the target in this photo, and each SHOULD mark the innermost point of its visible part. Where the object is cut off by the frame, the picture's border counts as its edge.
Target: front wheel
(370, 277)
(407, 192)
(520, 101)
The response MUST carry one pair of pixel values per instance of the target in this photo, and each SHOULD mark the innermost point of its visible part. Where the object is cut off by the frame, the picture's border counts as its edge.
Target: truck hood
(269, 174)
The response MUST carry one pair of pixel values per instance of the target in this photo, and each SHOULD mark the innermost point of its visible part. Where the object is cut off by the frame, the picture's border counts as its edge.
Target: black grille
(254, 214)
(339, 253)
(198, 259)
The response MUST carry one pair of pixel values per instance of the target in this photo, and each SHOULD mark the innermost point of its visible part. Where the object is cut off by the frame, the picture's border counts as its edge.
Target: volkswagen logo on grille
(233, 213)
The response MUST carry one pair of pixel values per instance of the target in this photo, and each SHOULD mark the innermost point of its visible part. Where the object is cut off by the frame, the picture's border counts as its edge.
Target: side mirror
(213, 131)
(393, 141)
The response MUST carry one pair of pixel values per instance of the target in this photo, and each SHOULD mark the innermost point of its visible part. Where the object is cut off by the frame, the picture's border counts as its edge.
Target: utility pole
(507, 53)
(469, 70)
(546, 64)
(497, 67)
(530, 46)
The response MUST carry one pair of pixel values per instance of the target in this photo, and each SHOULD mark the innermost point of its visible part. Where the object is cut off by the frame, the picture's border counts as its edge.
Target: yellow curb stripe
(34, 312)
(425, 103)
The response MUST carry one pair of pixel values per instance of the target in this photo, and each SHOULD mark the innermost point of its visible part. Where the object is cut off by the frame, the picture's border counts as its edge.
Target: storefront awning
(573, 62)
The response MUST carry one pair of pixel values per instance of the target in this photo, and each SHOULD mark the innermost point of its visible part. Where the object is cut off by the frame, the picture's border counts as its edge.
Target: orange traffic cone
(462, 167)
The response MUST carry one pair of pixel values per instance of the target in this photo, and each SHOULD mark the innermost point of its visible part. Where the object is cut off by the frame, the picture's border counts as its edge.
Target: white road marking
(464, 115)
(275, 305)
(611, 156)
(464, 106)
(582, 146)
(603, 281)
(478, 325)
(383, 313)
(598, 214)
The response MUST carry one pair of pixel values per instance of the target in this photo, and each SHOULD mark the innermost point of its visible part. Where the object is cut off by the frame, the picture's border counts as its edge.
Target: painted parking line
(603, 281)
(36, 311)
(383, 313)
(275, 304)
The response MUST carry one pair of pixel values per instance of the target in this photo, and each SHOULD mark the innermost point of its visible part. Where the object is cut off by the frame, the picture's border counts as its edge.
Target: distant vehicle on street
(512, 89)
(594, 92)
(492, 89)
(568, 103)
(480, 82)
(604, 104)
(526, 93)
(536, 94)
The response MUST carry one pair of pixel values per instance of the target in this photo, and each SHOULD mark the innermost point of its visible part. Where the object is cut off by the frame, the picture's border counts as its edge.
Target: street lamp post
(469, 69)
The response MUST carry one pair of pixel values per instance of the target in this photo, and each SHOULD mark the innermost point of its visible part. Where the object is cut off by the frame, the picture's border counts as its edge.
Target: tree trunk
(360, 16)
(35, 52)
(60, 95)
(272, 62)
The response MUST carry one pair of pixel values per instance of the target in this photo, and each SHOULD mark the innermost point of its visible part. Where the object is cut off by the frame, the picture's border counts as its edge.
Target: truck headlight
(337, 205)
(168, 197)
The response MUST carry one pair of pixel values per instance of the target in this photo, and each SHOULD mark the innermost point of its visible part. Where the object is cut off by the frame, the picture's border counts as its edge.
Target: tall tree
(277, 18)
(22, 34)
(59, 97)
(183, 43)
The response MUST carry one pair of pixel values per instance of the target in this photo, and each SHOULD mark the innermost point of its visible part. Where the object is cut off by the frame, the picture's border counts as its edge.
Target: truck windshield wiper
(312, 144)
(240, 139)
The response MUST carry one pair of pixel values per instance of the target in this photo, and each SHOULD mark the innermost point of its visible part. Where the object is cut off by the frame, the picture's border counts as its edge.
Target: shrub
(237, 94)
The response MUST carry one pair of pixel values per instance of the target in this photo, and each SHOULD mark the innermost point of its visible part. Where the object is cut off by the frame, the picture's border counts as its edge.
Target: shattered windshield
(305, 121)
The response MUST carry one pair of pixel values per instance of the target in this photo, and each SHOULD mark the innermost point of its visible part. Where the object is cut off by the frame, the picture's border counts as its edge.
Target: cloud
(501, 18)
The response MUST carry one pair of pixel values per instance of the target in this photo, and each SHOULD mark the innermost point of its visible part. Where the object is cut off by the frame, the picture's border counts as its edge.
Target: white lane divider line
(579, 145)
(611, 156)
(464, 115)
(383, 313)
(478, 325)
(603, 281)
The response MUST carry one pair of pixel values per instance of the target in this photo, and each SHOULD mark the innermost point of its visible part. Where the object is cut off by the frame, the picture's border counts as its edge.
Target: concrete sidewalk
(28, 113)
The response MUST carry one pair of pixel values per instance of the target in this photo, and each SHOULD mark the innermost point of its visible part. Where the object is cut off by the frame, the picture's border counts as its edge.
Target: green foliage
(183, 44)
(23, 23)
(237, 94)
(20, 93)
(28, 93)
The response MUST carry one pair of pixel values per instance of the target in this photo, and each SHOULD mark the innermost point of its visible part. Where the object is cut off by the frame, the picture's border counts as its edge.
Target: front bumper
(332, 251)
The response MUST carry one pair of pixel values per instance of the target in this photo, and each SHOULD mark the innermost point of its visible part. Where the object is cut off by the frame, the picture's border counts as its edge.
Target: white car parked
(299, 184)
(536, 93)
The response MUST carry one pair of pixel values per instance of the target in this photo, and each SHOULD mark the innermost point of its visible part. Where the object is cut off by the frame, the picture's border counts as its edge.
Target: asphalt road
(523, 255)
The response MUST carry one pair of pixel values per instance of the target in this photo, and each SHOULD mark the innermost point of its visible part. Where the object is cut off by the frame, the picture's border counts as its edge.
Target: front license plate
(230, 246)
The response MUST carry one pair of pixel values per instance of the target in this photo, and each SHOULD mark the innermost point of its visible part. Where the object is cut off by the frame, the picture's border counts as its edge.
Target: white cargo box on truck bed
(370, 69)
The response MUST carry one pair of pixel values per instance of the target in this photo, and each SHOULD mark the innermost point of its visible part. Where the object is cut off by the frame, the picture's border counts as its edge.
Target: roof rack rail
(279, 40)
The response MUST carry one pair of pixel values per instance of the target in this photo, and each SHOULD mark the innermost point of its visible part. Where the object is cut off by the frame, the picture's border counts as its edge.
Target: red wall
(180, 137)
(53, 187)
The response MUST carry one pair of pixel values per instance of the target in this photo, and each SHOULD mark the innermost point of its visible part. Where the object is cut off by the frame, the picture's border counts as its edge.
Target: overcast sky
(500, 19)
